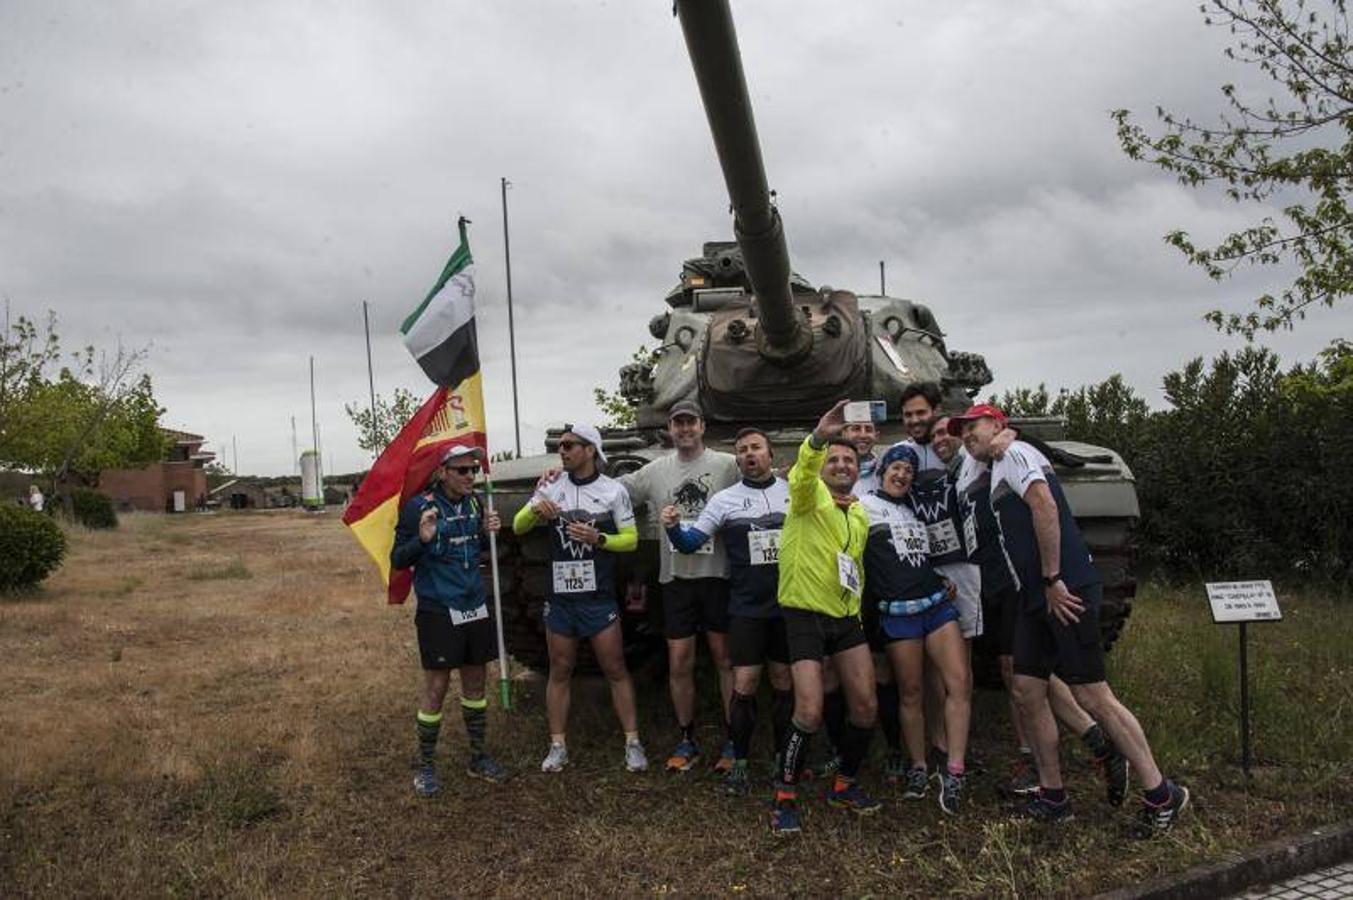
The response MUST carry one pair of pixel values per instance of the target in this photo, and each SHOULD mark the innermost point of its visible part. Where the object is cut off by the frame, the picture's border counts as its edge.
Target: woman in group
(916, 618)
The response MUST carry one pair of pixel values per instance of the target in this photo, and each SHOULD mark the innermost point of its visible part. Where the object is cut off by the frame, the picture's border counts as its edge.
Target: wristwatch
(1050, 580)
(601, 539)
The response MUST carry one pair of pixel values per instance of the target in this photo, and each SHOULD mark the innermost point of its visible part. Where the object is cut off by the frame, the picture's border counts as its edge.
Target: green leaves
(374, 434)
(1299, 144)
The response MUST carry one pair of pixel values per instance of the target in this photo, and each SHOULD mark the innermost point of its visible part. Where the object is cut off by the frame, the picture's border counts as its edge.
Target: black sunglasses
(569, 445)
(465, 470)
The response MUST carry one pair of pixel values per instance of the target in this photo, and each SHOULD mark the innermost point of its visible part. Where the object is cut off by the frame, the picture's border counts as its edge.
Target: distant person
(1057, 627)
(590, 520)
(440, 535)
(35, 498)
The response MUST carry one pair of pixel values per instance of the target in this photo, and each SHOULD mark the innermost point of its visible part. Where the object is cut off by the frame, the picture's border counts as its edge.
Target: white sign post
(1240, 602)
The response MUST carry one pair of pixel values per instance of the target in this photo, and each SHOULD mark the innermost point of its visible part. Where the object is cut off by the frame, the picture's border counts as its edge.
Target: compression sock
(890, 721)
(741, 723)
(1098, 742)
(834, 716)
(1056, 796)
(791, 758)
(854, 747)
(1158, 795)
(429, 726)
(781, 710)
(474, 712)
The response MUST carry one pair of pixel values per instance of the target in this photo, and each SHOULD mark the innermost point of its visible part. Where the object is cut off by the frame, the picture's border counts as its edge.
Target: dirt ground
(223, 705)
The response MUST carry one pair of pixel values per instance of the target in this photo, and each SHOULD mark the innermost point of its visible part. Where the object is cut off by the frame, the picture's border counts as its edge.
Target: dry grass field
(223, 705)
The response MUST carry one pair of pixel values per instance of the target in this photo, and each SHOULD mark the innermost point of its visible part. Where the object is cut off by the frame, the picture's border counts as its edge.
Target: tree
(1297, 148)
(375, 434)
(619, 407)
(93, 413)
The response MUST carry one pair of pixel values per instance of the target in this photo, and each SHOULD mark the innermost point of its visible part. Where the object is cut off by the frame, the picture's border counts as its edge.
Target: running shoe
(1023, 777)
(724, 764)
(737, 783)
(917, 781)
(951, 792)
(425, 781)
(484, 768)
(784, 818)
(1153, 820)
(895, 767)
(847, 794)
(1114, 769)
(1040, 809)
(684, 756)
(635, 758)
(556, 759)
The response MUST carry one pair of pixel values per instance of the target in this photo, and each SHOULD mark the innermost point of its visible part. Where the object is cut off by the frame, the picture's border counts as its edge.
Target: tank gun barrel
(713, 46)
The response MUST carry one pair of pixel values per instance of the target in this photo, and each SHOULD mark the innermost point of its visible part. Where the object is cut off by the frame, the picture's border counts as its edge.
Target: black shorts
(693, 605)
(446, 646)
(1044, 646)
(999, 611)
(869, 620)
(753, 642)
(812, 635)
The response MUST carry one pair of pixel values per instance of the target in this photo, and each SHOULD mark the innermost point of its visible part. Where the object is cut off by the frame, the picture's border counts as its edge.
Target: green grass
(222, 572)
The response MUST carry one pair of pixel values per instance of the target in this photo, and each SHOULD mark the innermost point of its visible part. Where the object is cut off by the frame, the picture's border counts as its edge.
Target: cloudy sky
(227, 182)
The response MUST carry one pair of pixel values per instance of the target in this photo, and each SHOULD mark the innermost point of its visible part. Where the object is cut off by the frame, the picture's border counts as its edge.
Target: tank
(312, 484)
(753, 342)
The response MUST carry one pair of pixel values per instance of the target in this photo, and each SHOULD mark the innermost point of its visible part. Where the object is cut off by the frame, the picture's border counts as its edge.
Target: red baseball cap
(980, 411)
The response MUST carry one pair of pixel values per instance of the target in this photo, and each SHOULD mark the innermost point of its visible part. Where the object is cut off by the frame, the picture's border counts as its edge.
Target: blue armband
(686, 539)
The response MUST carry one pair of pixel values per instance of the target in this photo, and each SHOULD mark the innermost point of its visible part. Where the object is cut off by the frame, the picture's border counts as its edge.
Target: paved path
(1336, 881)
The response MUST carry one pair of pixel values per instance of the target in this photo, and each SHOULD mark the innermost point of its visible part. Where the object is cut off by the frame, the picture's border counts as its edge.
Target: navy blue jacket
(446, 569)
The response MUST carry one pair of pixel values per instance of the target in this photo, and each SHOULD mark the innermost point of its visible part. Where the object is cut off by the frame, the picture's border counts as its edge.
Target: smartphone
(875, 411)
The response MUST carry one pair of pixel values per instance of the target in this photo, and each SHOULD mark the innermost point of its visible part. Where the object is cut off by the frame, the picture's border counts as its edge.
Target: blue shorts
(919, 626)
(580, 618)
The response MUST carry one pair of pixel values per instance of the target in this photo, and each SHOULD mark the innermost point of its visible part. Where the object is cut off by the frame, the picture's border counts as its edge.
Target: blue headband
(900, 453)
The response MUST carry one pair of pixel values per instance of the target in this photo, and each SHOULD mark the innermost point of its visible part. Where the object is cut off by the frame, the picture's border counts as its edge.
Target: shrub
(92, 509)
(31, 547)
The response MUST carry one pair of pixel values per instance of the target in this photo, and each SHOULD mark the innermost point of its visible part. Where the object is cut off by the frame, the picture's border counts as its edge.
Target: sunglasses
(566, 444)
(465, 470)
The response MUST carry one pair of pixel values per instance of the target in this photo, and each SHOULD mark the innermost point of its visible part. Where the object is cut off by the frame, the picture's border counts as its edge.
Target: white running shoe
(635, 759)
(556, 759)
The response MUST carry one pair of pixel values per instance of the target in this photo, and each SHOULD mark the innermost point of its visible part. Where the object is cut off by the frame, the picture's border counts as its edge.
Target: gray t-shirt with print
(688, 485)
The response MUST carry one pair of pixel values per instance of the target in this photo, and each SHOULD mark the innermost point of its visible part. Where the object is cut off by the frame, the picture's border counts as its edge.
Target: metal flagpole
(511, 331)
(370, 378)
(504, 681)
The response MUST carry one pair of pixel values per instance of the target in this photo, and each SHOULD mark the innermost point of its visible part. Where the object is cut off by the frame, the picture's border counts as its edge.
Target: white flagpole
(504, 681)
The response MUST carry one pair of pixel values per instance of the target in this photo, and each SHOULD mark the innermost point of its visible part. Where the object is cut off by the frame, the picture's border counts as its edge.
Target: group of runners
(857, 584)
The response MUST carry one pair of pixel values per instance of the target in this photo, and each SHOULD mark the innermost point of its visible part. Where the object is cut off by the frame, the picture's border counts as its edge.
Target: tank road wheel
(524, 581)
(1110, 543)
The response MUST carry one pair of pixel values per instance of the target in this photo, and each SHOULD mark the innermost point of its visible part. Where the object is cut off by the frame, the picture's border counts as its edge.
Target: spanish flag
(441, 335)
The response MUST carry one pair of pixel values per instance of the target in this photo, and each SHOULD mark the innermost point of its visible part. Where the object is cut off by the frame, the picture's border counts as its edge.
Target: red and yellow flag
(450, 416)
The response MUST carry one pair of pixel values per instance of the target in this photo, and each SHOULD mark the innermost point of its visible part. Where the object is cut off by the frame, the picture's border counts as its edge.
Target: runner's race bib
(910, 541)
(848, 573)
(462, 616)
(577, 576)
(706, 549)
(943, 538)
(763, 547)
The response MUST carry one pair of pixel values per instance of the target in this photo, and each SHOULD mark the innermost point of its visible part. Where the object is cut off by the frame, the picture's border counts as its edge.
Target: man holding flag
(428, 473)
(440, 535)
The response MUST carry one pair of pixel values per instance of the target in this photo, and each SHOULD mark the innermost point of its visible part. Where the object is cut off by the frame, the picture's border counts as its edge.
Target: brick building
(174, 484)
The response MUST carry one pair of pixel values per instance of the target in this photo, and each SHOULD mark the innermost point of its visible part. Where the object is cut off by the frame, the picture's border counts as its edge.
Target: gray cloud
(230, 182)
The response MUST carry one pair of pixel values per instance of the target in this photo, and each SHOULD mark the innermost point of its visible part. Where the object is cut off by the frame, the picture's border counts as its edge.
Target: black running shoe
(1153, 820)
(951, 792)
(1114, 769)
(1040, 809)
(916, 783)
